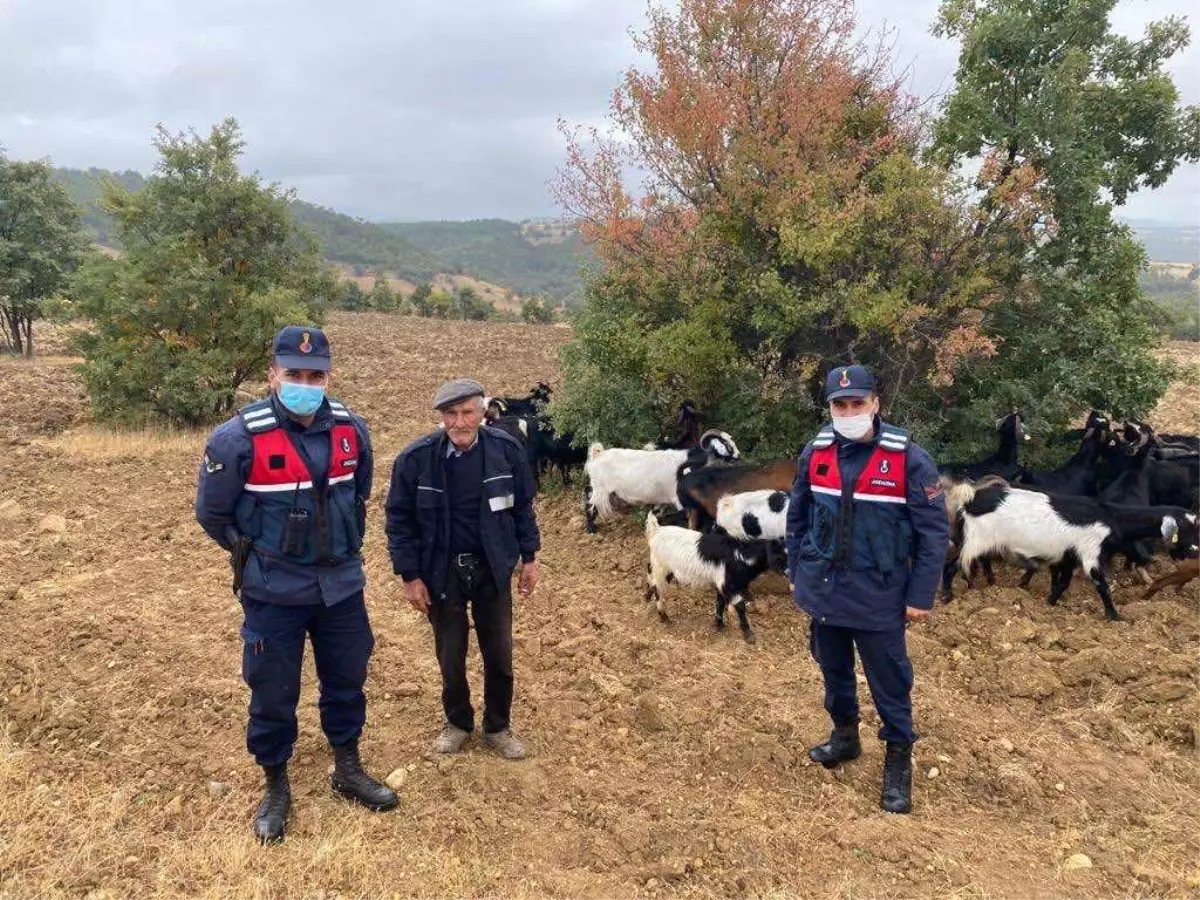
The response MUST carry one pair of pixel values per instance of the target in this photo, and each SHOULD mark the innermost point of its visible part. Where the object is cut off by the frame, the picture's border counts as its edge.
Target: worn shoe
(450, 740)
(506, 744)
(843, 745)
(897, 778)
(270, 819)
(350, 781)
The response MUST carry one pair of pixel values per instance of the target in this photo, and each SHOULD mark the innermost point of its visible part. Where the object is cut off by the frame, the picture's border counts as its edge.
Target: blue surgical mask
(301, 399)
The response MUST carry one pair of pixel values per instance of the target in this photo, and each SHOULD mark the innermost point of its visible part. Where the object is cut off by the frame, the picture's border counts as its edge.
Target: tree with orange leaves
(787, 218)
(784, 225)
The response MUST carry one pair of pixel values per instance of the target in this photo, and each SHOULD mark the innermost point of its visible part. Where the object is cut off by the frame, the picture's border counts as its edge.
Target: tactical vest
(872, 529)
(280, 483)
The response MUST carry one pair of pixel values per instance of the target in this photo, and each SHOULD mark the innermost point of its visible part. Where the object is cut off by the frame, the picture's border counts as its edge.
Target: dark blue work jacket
(418, 510)
(260, 466)
(867, 538)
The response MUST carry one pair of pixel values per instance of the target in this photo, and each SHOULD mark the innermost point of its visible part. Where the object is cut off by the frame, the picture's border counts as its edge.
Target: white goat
(643, 477)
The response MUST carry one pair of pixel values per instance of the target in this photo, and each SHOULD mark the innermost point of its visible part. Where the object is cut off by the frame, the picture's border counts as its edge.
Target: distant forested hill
(1167, 242)
(530, 258)
(84, 188)
(366, 245)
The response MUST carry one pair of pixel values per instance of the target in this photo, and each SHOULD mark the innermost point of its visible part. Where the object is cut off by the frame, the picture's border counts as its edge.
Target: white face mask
(854, 427)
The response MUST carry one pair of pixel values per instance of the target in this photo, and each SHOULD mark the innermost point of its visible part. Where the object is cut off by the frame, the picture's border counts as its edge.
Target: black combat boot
(270, 819)
(352, 782)
(897, 778)
(843, 745)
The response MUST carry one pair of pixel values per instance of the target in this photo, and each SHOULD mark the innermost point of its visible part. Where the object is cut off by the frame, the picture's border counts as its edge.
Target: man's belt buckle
(466, 560)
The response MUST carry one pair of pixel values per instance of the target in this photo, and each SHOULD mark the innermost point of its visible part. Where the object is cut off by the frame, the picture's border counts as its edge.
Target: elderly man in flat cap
(459, 520)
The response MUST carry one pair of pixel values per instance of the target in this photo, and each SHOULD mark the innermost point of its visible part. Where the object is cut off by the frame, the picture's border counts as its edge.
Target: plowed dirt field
(669, 760)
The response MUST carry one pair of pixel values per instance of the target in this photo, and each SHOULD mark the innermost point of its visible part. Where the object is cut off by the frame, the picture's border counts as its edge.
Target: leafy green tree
(352, 297)
(41, 242)
(792, 222)
(383, 298)
(441, 304)
(1048, 95)
(468, 305)
(537, 310)
(420, 299)
(213, 266)
(787, 226)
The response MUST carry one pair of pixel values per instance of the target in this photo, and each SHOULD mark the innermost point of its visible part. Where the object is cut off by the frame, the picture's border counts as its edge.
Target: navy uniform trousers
(889, 674)
(272, 658)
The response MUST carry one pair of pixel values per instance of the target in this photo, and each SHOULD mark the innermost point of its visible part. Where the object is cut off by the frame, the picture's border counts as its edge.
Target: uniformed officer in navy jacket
(283, 488)
(866, 537)
(460, 520)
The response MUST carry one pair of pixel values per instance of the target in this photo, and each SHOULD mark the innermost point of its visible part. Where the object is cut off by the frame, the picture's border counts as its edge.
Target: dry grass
(669, 760)
(99, 444)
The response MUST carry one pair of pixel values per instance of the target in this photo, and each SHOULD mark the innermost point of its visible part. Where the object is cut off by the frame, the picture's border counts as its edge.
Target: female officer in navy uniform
(866, 537)
(283, 488)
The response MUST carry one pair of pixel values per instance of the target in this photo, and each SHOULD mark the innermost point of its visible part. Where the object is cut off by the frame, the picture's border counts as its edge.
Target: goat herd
(1126, 491)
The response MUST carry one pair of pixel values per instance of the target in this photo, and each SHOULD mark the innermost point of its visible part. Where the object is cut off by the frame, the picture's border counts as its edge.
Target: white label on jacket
(499, 503)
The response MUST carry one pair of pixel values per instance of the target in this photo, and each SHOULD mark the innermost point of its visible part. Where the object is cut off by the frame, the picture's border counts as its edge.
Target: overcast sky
(385, 109)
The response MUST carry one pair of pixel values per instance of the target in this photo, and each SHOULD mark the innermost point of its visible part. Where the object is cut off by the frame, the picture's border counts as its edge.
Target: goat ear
(1170, 530)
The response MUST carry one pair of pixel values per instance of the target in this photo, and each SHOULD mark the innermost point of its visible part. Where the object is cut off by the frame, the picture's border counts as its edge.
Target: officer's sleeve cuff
(528, 557)
(410, 574)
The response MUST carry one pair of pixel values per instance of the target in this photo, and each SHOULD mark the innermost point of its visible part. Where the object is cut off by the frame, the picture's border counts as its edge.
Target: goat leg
(739, 603)
(1101, 585)
(589, 510)
(948, 572)
(1060, 579)
(1179, 578)
(720, 611)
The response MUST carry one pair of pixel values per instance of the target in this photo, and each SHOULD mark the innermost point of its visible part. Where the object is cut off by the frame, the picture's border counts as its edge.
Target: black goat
(1079, 475)
(1004, 462)
(526, 429)
(688, 421)
(1095, 419)
(1132, 488)
(529, 405)
(554, 449)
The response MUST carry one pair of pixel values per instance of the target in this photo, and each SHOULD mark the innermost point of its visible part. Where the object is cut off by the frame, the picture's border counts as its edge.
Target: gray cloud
(384, 109)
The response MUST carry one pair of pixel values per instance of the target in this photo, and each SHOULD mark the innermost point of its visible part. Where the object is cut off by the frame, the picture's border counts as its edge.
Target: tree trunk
(12, 329)
(29, 337)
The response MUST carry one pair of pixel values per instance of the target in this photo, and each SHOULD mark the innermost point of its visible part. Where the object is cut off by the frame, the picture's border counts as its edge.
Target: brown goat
(1185, 572)
(700, 489)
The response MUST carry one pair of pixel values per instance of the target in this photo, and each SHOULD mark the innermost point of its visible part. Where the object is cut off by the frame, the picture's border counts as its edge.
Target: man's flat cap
(456, 391)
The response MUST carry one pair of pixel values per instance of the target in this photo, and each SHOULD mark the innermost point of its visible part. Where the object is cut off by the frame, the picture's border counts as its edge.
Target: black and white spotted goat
(697, 559)
(1063, 531)
(754, 515)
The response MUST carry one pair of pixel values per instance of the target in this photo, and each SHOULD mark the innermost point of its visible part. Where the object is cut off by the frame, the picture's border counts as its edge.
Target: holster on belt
(239, 556)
